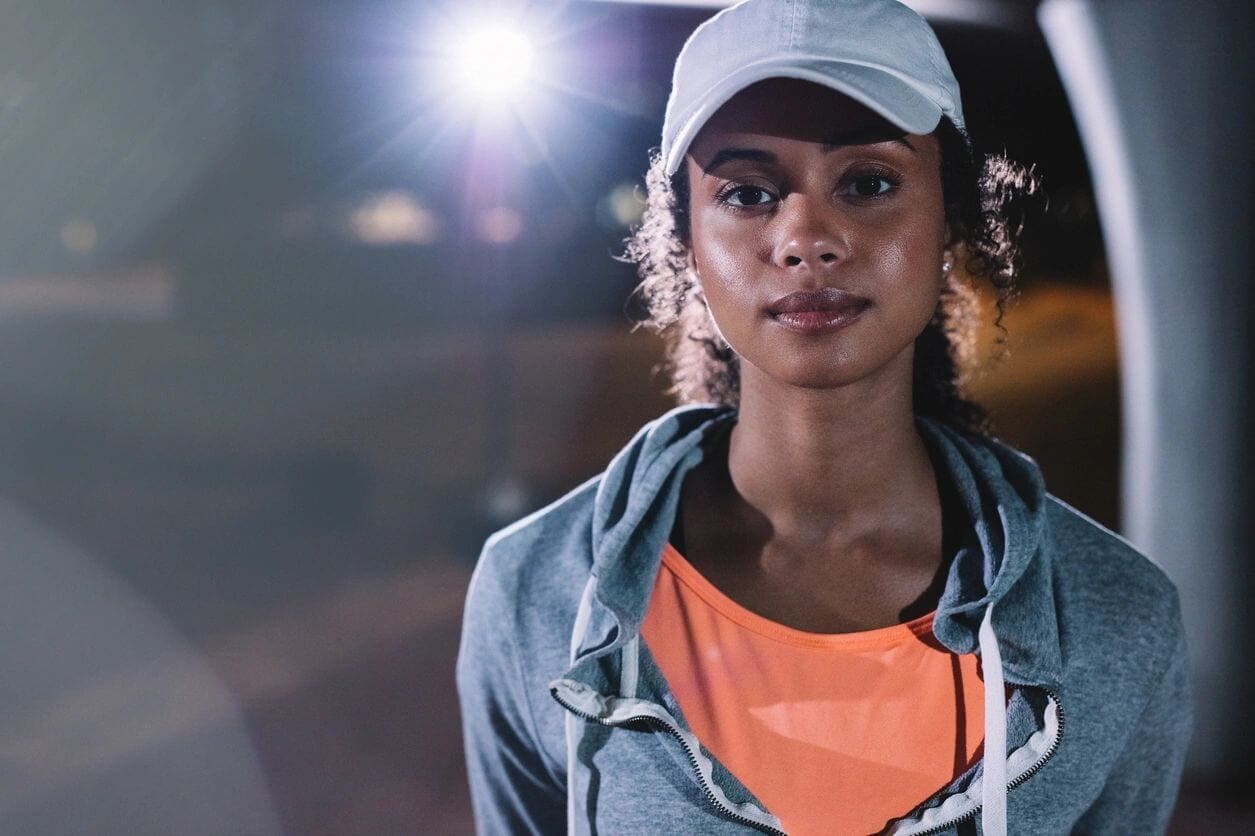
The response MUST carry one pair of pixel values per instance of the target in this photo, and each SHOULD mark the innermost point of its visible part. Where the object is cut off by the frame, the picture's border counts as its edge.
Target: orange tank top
(834, 733)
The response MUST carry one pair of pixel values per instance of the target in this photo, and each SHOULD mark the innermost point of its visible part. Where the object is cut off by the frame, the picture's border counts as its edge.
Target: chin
(814, 373)
(828, 380)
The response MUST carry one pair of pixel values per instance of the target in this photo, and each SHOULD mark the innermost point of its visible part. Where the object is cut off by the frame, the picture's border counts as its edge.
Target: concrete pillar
(1160, 90)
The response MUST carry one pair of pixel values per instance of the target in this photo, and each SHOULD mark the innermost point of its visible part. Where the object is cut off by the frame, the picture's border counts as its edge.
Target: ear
(948, 263)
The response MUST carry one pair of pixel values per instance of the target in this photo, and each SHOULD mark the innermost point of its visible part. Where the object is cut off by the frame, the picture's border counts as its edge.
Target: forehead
(795, 109)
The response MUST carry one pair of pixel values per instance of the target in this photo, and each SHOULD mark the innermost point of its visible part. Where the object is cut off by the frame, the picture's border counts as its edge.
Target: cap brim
(881, 91)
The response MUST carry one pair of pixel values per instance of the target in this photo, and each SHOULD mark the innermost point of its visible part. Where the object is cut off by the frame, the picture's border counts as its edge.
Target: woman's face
(795, 187)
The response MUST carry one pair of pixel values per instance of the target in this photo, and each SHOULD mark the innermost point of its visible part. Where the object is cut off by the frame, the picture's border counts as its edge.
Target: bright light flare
(494, 61)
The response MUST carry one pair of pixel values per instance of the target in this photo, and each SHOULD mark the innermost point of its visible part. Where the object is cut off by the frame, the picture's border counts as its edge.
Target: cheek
(913, 252)
(898, 269)
(724, 256)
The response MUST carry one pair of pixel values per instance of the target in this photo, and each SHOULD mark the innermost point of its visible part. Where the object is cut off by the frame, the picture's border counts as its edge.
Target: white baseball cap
(877, 52)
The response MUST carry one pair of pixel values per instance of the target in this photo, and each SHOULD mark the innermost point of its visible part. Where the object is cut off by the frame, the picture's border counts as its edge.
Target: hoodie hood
(1001, 558)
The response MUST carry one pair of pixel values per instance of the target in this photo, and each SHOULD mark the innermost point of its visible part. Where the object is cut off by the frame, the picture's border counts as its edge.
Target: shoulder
(1118, 610)
(543, 555)
(519, 610)
(1091, 557)
(516, 624)
(1125, 674)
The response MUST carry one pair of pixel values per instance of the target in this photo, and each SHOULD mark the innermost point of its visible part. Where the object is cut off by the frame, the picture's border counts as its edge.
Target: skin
(820, 508)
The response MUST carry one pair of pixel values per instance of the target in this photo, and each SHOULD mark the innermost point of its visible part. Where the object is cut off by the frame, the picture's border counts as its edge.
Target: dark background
(289, 443)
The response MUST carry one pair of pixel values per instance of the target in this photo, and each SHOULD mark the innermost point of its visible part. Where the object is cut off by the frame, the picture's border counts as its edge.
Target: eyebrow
(859, 136)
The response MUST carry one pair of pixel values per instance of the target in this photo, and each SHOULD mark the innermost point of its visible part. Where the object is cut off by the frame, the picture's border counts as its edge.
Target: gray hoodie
(570, 726)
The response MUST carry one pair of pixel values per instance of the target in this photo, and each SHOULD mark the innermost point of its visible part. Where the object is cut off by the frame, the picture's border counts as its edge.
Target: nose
(809, 235)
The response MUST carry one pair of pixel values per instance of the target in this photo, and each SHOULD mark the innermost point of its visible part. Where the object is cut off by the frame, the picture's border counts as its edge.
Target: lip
(818, 311)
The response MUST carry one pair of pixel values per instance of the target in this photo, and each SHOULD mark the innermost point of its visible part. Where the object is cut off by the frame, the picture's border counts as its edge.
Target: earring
(945, 268)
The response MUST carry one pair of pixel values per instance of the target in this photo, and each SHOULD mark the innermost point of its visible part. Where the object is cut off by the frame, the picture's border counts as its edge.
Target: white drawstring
(993, 817)
(630, 669)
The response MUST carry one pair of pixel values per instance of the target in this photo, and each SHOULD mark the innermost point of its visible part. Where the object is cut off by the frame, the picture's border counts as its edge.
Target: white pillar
(1163, 108)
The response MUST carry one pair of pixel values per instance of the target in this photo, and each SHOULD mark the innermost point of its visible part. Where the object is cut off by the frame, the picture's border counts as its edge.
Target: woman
(819, 597)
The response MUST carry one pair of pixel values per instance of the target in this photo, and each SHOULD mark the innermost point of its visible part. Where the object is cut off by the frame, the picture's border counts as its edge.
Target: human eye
(744, 196)
(870, 184)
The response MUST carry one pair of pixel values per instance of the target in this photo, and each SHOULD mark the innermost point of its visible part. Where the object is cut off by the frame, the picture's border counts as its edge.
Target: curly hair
(984, 208)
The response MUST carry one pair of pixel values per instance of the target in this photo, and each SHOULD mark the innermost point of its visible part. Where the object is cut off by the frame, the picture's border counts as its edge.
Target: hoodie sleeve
(1141, 790)
(514, 789)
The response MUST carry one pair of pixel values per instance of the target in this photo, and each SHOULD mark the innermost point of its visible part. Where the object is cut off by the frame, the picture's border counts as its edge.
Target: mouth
(815, 311)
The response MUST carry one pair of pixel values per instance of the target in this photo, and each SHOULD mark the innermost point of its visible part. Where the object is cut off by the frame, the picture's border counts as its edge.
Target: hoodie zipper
(1015, 782)
(1011, 785)
(701, 780)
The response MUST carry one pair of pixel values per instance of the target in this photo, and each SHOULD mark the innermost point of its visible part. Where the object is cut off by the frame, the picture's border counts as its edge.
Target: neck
(829, 465)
